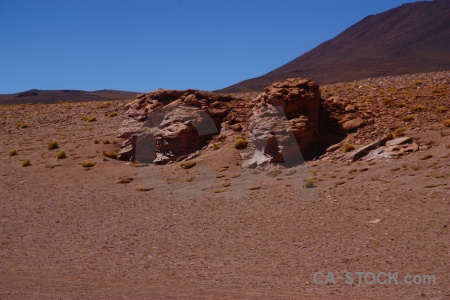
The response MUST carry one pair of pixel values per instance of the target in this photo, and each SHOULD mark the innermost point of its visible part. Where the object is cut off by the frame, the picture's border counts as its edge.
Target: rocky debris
(359, 153)
(385, 148)
(284, 123)
(169, 125)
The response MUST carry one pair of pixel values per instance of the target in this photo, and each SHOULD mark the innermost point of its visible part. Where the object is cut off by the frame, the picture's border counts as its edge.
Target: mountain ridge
(411, 38)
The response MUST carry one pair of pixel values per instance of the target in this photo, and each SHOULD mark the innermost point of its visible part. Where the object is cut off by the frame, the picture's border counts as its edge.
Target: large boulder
(170, 125)
(285, 122)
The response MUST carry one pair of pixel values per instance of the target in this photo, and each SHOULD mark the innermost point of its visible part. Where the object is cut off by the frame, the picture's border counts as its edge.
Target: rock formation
(170, 125)
(285, 122)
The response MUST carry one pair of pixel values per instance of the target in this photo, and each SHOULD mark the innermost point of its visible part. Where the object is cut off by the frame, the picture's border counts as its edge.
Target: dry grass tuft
(446, 122)
(112, 114)
(88, 119)
(427, 156)
(144, 189)
(21, 125)
(110, 154)
(308, 184)
(407, 118)
(188, 164)
(52, 145)
(12, 152)
(441, 109)
(399, 132)
(87, 164)
(61, 154)
(255, 187)
(104, 105)
(348, 147)
(125, 180)
(241, 143)
(26, 162)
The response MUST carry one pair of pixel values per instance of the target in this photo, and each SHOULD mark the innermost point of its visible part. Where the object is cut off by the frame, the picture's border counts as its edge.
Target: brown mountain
(411, 38)
(52, 96)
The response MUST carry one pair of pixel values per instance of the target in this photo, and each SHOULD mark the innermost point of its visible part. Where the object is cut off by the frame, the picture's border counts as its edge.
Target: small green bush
(52, 145)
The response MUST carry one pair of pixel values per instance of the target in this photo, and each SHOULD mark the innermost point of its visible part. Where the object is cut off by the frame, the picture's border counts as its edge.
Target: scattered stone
(353, 124)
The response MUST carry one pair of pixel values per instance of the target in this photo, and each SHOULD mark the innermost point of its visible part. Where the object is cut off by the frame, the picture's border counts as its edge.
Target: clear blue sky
(144, 45)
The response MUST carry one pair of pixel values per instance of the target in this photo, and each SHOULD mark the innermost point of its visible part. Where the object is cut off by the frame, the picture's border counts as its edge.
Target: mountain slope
(411, 38)
(52, 96)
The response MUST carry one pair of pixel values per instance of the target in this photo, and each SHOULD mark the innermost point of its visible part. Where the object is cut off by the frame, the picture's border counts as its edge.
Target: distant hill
(52, 96)
(412, 38)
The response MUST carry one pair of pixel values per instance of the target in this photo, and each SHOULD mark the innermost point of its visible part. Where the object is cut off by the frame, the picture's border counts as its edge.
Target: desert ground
(118, 230)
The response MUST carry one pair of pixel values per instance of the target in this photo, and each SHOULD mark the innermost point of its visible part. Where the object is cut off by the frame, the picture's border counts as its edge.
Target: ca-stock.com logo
(289, 178)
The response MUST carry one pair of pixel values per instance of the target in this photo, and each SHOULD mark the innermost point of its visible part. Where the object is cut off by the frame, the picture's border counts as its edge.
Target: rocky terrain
(75, 222)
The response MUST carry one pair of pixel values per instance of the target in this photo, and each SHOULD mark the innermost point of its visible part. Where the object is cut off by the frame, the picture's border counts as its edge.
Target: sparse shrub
(88, 119)
(241, 144)
(215, 146)
(96, 142)
(188, 164)
(386, 101)
(255, 187)
(106, 142)
(143, 189)
(226, 184)
(87, 164)
(12, 152)
(426, 156)
(26, 162)
(441, 109)
(348, 147)
(125, 180)
(407, 118)
(446, 122)
(104, 105)
(112, 114)
(21, 125)
(61, 154)
(52, 145)
(308, 183)
(114, 142)
(418, 108)
(110, 154)
(399, 132)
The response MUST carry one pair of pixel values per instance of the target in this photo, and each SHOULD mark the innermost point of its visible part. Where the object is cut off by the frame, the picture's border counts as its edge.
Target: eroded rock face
(170, 125)
(167, 125)
(284, 123)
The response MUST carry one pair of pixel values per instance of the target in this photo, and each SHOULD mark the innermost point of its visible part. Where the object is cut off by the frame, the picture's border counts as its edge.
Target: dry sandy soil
(214, 231)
